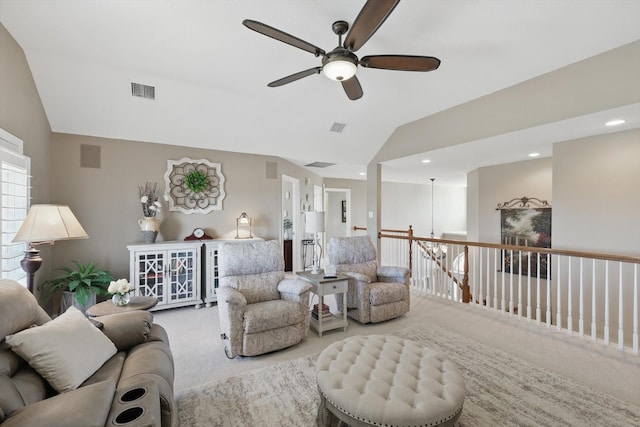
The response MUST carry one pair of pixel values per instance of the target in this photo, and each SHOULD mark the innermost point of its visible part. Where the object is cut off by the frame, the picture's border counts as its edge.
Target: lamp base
(30, 264)
(315, 270)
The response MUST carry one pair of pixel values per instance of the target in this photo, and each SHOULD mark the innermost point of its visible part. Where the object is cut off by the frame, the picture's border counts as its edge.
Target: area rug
(502, 390)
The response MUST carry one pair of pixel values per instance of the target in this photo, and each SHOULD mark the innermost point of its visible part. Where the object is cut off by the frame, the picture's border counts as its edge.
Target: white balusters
(581, 308)
(620, 309)
(606, 302)
(635, 309)
(594, 328)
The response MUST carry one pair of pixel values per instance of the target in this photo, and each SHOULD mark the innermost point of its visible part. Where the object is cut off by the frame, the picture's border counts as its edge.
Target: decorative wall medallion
(194, 186)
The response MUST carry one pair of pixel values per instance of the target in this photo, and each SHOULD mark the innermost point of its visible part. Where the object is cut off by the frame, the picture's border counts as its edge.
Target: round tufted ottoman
(384, 380)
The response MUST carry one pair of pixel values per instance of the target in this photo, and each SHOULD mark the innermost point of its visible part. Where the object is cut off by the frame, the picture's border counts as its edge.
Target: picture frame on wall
(525, 222)
(344, 211)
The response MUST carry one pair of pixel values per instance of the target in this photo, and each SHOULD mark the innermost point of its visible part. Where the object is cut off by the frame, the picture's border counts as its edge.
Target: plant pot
(68, 299)
(150, 226)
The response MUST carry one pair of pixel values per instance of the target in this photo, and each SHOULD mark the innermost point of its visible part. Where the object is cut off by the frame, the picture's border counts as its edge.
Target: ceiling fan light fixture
(339, 67)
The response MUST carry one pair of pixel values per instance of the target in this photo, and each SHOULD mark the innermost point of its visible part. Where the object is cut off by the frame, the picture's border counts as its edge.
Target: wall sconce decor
(194, 186)
(243, 227)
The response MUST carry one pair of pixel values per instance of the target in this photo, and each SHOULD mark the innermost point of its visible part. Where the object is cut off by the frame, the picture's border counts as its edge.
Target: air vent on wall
(337, 127)
(143, 91)
(319, 165)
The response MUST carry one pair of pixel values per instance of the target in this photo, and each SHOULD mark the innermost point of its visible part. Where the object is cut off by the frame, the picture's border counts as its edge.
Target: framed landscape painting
(525, 227)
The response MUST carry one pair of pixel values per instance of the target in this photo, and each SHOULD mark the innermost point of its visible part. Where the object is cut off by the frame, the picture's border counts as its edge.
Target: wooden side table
(107, 307)
(322, 286)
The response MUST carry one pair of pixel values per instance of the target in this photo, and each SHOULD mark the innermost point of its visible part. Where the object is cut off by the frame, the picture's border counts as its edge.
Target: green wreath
(196, 181)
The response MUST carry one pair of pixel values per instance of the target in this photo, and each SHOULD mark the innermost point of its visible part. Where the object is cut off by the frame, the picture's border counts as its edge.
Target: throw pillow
(64, 351)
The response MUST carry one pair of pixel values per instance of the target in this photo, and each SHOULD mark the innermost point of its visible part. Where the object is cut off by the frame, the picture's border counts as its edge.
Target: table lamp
(314, 223)
(243, 227)
(45, 224)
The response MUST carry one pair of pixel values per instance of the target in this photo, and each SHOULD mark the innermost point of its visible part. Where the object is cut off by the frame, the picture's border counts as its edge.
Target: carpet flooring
(502, 390)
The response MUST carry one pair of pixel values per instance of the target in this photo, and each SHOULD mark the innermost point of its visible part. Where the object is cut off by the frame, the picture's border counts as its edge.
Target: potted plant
(79, 286)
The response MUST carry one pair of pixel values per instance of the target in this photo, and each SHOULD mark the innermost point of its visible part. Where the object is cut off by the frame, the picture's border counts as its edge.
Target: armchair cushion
(127, 329)
(385, 293)
(256, 287)
(269, 315)
(387, 273)
(65, 351)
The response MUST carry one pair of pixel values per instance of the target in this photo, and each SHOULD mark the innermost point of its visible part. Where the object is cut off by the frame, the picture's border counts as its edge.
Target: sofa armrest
(293, 286)
(393, 274)
(82, 407)
(127, 329)
(230, 296)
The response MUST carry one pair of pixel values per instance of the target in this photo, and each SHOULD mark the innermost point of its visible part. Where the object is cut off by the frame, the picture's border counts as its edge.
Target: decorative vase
(150, 225)
(121, 300)
(287, 234)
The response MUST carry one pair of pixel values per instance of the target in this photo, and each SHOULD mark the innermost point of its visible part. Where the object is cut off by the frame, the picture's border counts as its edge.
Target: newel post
(466, 292)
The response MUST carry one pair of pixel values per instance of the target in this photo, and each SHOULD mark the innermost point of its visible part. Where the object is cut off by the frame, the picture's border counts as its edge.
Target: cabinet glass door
(182, 275)
(150, 274)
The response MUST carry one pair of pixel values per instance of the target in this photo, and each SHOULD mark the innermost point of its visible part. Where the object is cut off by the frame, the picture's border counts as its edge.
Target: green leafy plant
(287, 224)
(196, 181)
(85, 280)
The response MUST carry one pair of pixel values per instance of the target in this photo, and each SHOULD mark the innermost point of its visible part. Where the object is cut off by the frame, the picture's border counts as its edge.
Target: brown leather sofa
(133, 387)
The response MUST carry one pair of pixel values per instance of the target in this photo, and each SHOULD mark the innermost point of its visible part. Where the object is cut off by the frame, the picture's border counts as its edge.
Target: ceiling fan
(341, 63)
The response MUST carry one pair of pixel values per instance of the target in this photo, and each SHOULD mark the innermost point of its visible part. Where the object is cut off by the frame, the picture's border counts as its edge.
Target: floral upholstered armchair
(260, 310)
(375, 293)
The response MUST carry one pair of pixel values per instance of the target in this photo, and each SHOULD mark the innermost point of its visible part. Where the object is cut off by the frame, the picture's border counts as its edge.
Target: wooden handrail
(581, 254)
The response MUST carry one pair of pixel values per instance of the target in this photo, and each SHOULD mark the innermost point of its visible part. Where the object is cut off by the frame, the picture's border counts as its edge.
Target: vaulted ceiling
(210, 74)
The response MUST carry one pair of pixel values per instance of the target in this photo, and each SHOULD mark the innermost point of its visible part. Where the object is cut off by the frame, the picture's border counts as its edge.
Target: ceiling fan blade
(372, 15)
(274, 33)
(401, 62)
(296, 76)
(352, 88)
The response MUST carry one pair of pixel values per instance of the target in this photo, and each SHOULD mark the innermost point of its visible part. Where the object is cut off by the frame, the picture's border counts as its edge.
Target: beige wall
(106, 200)
(22, 115)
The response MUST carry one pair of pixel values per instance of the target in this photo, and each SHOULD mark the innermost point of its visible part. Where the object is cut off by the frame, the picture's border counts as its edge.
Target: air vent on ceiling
(143, 91)
(337, 127)
(319, 165)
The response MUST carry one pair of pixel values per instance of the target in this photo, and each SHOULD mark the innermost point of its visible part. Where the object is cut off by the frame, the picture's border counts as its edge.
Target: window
(14, 203)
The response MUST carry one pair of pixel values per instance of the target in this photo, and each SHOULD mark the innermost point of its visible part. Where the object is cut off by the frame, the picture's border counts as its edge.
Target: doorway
(291, 210)
(337, 205)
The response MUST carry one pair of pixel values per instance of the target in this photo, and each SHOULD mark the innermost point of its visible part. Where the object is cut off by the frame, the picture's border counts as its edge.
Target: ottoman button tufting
(384, 380)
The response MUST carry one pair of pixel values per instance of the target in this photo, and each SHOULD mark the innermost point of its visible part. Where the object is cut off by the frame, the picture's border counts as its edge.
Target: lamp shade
(314, 222)
(339, 70)
(47, 223)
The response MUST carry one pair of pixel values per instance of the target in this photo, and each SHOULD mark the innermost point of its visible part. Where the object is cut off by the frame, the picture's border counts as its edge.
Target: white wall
(499, 184)
(334, 225)
(596, 187)
(410, 204)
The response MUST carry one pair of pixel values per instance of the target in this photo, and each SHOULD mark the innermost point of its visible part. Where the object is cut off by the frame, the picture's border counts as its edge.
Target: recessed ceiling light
(616, 122)
(534, 154)
(426, 161)
(363, 173)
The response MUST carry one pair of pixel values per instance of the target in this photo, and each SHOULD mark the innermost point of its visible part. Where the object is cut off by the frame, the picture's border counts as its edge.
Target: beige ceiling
(211, 74)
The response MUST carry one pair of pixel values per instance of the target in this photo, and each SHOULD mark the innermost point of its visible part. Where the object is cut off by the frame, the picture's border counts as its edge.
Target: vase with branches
(151, 206)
